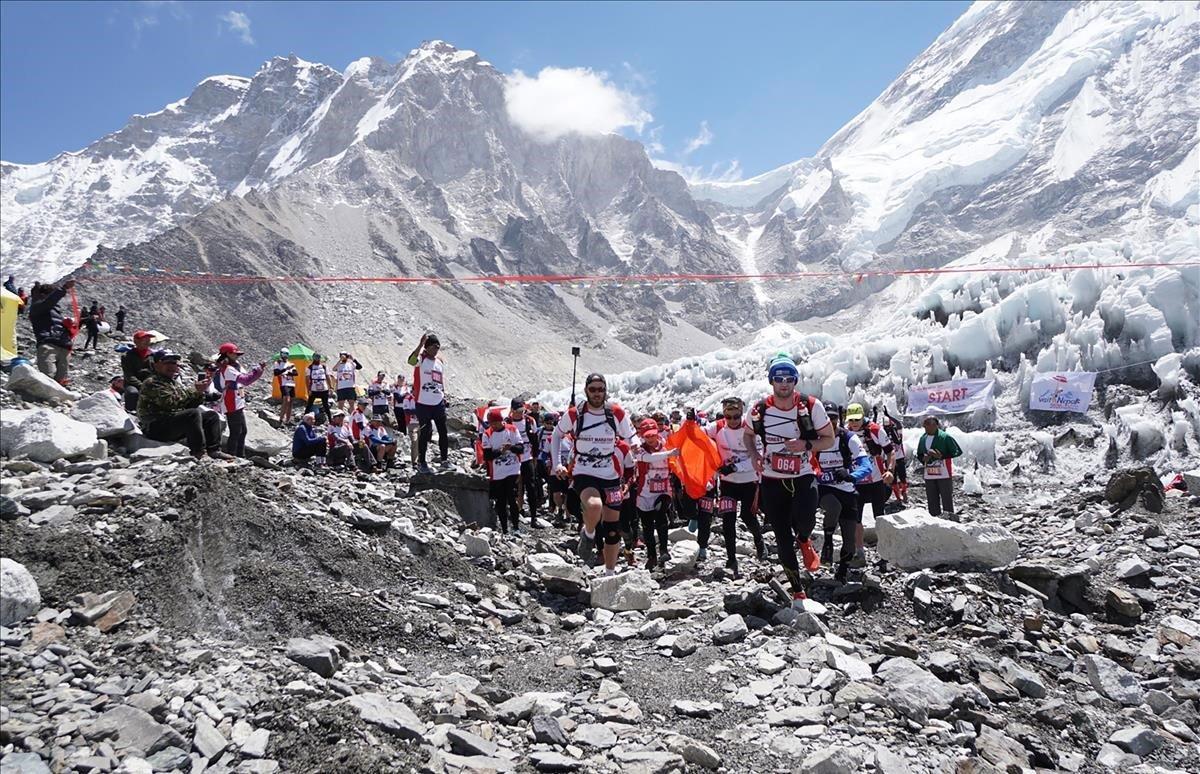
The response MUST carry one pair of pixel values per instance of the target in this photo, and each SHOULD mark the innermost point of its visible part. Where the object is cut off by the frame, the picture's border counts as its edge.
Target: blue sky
(721, 89)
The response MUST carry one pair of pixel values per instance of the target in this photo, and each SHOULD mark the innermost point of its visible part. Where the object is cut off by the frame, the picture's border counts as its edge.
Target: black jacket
(47, 320)
(135, 368)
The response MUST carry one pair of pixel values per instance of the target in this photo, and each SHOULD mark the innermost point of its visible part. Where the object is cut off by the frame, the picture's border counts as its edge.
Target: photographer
(170, 411)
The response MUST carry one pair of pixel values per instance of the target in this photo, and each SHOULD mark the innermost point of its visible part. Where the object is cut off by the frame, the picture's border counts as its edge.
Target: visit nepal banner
(1062, 391)
(957, 396)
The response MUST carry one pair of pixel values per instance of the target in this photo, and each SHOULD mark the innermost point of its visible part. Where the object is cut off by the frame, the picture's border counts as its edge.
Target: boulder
(46, 436)
(476, 545)
(134, 728)
(318, 655)
(1192, 479)
(916, 692)
(35, 385)
(19, 595)
(914, 540)
(103, 412)
(1066, 585)
(627, 591)
(262, 439)
(832, 760)
(361, 518)
(1178, 630)
(732, 629)
(556, 574)
(1113, 681)
(392, 716)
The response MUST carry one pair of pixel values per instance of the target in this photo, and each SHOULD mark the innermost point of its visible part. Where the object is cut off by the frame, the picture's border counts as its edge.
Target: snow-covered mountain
(1064, 120)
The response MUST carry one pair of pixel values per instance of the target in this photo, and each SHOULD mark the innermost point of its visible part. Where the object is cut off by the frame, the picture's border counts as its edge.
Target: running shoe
(798, 598)
(586, 548)
(812, 561)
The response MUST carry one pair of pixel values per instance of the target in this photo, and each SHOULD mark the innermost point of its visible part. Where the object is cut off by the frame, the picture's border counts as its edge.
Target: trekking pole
(574, 366)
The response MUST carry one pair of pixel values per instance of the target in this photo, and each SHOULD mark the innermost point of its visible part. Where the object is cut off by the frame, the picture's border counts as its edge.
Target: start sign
(958, 396)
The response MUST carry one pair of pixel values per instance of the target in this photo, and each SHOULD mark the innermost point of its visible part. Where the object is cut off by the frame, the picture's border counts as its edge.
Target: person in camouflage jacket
(169, 410)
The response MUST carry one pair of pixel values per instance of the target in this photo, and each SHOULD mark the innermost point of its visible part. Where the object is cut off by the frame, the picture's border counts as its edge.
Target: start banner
(957, 396)
(1062, 391)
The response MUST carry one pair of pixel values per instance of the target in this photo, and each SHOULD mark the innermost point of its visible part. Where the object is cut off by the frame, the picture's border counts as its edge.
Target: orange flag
(698, 458)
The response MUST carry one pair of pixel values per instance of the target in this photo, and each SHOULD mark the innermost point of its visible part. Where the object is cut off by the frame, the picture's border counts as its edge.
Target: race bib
(659, 486)
(936, 469)
(827, 477)
(715, 505)
(435, 377)
(785, 463)
(613, 497)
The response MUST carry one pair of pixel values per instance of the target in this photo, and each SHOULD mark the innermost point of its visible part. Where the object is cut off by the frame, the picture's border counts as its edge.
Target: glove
(517, 448)
(727, 468)
(841, 474)
(691, 415)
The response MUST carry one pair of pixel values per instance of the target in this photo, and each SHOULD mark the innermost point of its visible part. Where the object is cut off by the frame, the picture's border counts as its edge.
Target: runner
(597, 425)
(379, 395)
(430, 393)
(842, 468)
(399, 391)
(738, 479)
(318, 387)
(345, 373)
(555, 486)
(229, 379)
(878, 487)
(791, 427)
(499, 448)
(528, 487)
(895, 432)
(935, 451)
(285, 372)
(654, 491)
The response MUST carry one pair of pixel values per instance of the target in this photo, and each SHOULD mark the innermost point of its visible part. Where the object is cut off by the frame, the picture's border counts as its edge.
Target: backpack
(807, 433)
(612, 415)
(868, 439)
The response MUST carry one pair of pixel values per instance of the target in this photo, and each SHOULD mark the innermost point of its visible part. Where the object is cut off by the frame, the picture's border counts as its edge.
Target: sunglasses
(597, 389)
(784, 379)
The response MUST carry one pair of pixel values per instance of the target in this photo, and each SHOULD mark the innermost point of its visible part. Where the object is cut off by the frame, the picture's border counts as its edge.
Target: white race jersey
(428, 382)
(831, 460)
(345, 374)
(318, 378)
(731, 444)
(507, 464)
(781, 426)
(595, 444)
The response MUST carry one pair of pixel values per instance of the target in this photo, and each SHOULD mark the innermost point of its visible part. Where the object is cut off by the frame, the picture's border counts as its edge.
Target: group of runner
(787, 456)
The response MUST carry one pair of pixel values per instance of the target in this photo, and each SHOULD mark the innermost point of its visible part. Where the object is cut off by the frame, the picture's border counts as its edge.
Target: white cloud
(704, 137)
(239, 23)
(148, 13)
(728, 172)
(654, 140)
(560, 101)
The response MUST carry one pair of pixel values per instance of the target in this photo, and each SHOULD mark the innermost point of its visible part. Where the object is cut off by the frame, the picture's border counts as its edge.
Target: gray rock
(694, 752)
(128, 727)
(1139, 740)
(19, 595)
(888, 762)
(683, 646)
(596, 735)
(262, 439)
(23, 763)
(31, 383)
(516, 709)
(208, 741)
(392, 716)
(732, 629)
(855, 694)
(1178, 630)
(102, 411)
(797, 715)
(169, 758)
(319, 656)
(552, 761)
(1132, 567)
(1001, 750)
(833, 760)
(697, 709)
(647, 761)
(556, 574)
(476, 545)
(10, 509)
(916, 692)
(547, 730)
(256, 744)
(46, 436)
(1112, 757)
(1024, 680)
(1122, 604)
(466, 743)
(627, 591)
(1113, 681)
(852, 666)
(914, 540)
(361, 518)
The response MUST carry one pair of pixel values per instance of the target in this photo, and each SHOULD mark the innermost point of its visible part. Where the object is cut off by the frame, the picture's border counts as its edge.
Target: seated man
(136, 366)
(306, 441)
(170, 411)
(382, 445)
(341, 442)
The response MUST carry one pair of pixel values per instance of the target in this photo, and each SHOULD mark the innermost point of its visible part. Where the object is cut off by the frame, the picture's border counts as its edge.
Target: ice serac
(1021, 117)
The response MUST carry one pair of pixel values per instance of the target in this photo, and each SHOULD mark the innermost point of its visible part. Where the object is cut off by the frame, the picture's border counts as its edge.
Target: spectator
(935, 451)
(100, 313)
(318, 386)
(429, 389)
(137, 367)
(307, 443)
(121, 318)
(10, 284)
(229, 381)
(116, 389)
(91, 322)
(24, 297)
(382, 445)
(286, 373)
(340, 453)
(53, 333)
(344, 371)
(170, 411)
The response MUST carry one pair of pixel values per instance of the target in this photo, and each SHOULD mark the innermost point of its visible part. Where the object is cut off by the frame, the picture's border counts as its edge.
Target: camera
(575, 351)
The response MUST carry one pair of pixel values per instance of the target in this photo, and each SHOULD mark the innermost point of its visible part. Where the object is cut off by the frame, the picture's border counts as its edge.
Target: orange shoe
(812, 560)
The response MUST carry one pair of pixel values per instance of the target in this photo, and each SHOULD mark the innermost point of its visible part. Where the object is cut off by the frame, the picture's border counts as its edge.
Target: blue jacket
(305, 438)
